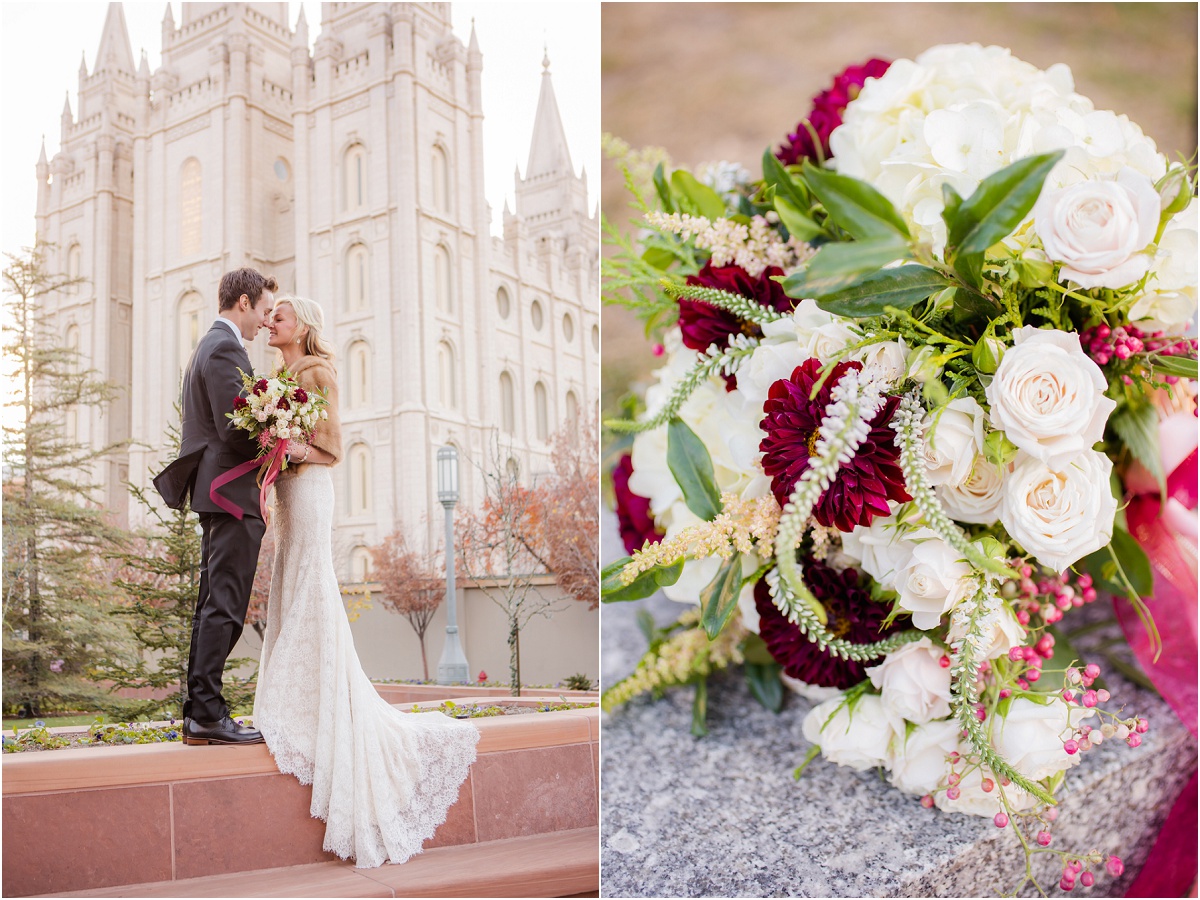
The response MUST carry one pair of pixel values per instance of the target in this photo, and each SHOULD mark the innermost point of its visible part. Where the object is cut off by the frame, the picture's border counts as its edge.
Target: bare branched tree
(410, 583)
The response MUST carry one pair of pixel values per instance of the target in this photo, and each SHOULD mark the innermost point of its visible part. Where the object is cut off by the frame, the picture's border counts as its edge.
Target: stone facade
(354, 175)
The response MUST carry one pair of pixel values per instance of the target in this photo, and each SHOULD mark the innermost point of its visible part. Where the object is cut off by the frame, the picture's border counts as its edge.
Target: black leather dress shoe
(225, 731)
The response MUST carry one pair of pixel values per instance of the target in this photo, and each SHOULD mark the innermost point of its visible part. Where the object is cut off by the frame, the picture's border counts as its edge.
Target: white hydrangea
(960, 112)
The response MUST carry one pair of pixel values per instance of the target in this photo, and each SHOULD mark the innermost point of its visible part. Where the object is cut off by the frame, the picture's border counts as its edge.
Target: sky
(36, 73)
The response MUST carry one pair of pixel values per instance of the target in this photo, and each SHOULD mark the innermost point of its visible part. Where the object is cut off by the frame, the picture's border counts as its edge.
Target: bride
(382, 779)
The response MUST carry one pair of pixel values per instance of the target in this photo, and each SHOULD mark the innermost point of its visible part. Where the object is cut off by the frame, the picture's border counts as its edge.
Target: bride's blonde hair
(309, 313)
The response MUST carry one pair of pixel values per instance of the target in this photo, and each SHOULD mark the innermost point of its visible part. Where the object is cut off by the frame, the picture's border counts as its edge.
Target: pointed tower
(115, 53)
(551, 198)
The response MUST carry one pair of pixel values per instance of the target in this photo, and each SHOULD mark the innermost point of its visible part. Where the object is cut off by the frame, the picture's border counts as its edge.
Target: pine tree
(57, 628)
(160, 574)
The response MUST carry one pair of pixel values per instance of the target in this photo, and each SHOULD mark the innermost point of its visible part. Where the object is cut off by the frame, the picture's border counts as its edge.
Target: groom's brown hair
(246, 281)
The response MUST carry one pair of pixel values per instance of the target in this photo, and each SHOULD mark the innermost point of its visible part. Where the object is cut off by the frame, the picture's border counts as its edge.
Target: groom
(212, 444)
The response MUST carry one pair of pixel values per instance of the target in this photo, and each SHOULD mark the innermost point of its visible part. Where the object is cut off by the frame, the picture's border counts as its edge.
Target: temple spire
(548, 153)
(300, 37)
(115, 52)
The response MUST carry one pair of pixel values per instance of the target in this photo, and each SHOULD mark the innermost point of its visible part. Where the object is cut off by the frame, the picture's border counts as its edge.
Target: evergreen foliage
(58, 631)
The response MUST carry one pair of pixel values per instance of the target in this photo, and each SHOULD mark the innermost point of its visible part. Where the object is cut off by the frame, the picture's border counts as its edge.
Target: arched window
(357, 277)
(441, 179)
(191, 326)
(359, 393)
(74, 263)
(354, 172)
(360, 565)
(568, 327)
(360, 480)
(572, 409)
(503, 303)
(508, 418)
(447, 394)
(71, 342)
(540, 413)
(535, 315)
(441, 277)
(190, 208)
(512, 469)
(596, 338)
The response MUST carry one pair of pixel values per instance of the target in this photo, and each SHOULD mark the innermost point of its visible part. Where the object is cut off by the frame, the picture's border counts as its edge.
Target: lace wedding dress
(382, 779)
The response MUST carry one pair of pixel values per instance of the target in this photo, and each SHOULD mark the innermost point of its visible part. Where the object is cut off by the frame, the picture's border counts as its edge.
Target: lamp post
(453, 665)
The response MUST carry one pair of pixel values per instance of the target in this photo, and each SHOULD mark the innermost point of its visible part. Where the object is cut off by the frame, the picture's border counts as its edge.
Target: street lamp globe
(447, 474)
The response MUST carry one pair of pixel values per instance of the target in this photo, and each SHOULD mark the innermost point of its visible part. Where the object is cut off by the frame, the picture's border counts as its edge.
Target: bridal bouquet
(910, 413)
(274, 411)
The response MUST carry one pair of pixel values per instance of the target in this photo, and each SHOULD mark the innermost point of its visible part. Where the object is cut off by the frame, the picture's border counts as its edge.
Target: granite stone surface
(722, 815)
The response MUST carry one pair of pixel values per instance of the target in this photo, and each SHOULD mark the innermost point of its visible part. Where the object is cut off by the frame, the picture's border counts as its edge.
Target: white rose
(879, 549)
(1048, 396)
(261, 415)
(933, 582)
(829, 340)
(1098, 229)
(1030, 736)
(887, 358)
(1060, 516)
(976, 500)
(912, 682)
(918, 764)
(953, 437)
(975, 801)
(1006, 633)
(859, 738)
(1171, 298)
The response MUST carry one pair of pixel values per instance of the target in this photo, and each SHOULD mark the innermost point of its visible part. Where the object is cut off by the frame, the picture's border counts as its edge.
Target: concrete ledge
(556, 865)
(97, 818)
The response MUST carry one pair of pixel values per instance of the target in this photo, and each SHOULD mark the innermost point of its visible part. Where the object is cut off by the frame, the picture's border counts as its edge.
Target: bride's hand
(296, 451)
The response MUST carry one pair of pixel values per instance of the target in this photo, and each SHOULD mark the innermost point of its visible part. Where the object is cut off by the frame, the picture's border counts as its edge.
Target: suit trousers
(228, 558)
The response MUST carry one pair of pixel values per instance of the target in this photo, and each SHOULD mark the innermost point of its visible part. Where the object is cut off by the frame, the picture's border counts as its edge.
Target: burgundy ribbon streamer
(1167, 532)
(274, 464)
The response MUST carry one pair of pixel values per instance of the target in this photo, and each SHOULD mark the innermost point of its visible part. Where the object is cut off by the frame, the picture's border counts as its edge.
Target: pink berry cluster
(1033, 656)
(1080, 868)
(1087, 736)
(1051, 596)
(1102, 343)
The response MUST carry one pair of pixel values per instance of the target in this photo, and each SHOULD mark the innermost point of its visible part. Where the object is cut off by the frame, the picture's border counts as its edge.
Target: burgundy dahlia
(863, 486)
(827, 110)
(853, 616)
(633, 511)
(703, 324)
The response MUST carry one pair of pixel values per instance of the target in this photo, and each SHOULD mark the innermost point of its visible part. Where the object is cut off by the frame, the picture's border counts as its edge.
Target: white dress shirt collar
(232, 328)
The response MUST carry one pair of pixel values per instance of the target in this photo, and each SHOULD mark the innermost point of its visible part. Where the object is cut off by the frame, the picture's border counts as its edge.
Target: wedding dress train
(382, 779)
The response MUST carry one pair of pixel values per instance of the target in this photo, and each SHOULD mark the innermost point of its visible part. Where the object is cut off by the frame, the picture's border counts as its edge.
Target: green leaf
(719, 598)
(1137, 427)
(700, 709)
(999, 204)
(836, 266)
(1123, 549)
(854, 205)
(658, 257)
(785, 185)
(663, 191)
(951, 201)
(646, 625)
(612, 590)
(765, 685)
(902, 287)
(1183, 366)
(692, 468)
(703, 199)
(754, 650)
(799, 224)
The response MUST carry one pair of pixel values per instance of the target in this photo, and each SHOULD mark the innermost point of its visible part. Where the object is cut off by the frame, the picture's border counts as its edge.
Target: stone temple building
(354, 174)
